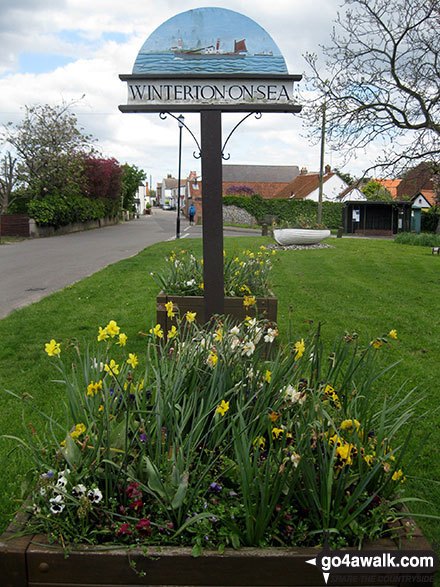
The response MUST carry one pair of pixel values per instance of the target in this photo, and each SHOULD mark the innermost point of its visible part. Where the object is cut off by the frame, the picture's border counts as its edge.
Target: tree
(132, 178)
(103, 178)
(382, 80)
(373, 190)
(8, 180)
(49, 147)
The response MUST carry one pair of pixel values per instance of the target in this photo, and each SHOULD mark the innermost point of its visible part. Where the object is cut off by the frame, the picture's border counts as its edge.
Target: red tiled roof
(302, 186)
(429, 195)
(390, 185)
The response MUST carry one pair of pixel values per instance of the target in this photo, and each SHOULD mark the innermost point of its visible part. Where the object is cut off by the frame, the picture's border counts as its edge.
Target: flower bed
(204, 443)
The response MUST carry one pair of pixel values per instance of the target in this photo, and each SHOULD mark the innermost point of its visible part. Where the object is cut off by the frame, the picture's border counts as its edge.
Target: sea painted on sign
(168, 63)
(210, 40)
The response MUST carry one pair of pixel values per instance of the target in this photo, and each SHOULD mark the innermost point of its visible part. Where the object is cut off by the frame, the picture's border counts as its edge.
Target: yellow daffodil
(376, 343)
(190, 316)
(78, 430)
(223, 408)
(212, 359)
(103, 334)
(274, 416)
(300, 348)
(112, 328)
(92, 388)
(112, 368)
(157, 331)
(172, 332)
(169, 307)
(218, 336)
(132, 360)
(52, 348)
(393, 333)
(122, 339)
(249, 301)
(268, 376)
(398, 476)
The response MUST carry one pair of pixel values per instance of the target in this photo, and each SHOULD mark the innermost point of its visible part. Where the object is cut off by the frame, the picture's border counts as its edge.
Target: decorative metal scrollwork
(258, 115)
(163, 116)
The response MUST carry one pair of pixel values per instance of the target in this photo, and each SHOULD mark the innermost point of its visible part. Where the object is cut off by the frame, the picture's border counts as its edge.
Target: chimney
(327, 169)
(303, 171)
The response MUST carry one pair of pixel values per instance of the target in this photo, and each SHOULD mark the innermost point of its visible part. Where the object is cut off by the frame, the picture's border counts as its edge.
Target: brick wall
(14, 225)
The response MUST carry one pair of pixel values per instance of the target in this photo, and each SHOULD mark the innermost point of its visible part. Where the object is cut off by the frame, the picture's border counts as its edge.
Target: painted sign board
(210, 58)
(225, 93)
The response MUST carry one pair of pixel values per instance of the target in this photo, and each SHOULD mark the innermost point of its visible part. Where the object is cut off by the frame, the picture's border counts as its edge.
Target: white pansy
(79, 490)
(61, 483)
(190, 282)
(57, 504)
(94, 495)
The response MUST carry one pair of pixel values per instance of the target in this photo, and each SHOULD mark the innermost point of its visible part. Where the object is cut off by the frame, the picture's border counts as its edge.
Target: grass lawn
(358, 285)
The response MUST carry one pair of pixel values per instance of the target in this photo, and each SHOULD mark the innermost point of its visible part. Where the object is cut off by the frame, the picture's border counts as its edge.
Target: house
(193, 195)
(306, 187)
(265, 180)
(417, 182)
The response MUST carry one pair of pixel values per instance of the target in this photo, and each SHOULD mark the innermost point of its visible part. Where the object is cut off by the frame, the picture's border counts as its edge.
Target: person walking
(192, 213)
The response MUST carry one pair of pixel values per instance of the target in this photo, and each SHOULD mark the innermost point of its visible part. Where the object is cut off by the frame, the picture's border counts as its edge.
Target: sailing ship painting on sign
(210, 40)
(211, 52)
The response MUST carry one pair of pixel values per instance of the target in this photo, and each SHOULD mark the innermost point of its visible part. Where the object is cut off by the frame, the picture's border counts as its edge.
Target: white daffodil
(293, 395)
(271, 334)
(248, 348)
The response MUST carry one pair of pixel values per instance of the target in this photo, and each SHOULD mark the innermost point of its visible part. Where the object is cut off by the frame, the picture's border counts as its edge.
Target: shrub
(56, 211)
(287, 210)
(430, 219)
(425, 239)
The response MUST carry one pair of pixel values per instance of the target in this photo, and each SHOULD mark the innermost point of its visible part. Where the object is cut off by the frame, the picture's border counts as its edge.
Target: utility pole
(321, 166)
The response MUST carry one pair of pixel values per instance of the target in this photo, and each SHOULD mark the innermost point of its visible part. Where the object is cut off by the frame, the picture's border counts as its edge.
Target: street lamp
(180, 121)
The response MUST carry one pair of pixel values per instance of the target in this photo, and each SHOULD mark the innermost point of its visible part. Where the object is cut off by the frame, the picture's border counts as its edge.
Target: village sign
(210, 60)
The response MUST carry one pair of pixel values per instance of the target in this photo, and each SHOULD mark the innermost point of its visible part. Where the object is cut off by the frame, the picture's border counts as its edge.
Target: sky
(74, 50)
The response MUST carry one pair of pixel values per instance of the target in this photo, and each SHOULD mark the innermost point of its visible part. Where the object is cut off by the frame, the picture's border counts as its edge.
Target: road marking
(174, 237)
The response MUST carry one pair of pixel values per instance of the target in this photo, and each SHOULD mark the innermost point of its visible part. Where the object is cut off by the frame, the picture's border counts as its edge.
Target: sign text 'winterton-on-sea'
(206, 92)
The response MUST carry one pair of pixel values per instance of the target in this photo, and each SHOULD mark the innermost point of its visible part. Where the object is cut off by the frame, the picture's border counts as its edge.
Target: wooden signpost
(204, 78)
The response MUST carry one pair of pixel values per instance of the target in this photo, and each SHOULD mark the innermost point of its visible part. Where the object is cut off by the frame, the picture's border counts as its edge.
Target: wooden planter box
(265, 307)
(29, 561)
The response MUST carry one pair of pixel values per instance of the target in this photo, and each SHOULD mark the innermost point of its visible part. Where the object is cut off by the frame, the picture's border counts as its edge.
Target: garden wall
(238, 215)
(41, 231)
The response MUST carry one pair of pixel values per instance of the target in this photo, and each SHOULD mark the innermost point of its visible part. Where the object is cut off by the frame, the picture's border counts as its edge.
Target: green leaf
(179, 496)
(196, 550)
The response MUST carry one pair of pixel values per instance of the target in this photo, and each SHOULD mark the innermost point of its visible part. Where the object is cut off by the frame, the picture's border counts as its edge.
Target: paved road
(33, 269)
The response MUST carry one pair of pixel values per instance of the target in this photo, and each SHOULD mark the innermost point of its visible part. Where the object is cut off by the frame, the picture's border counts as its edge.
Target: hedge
(57, 211)
(430, 220)
(287, 210)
